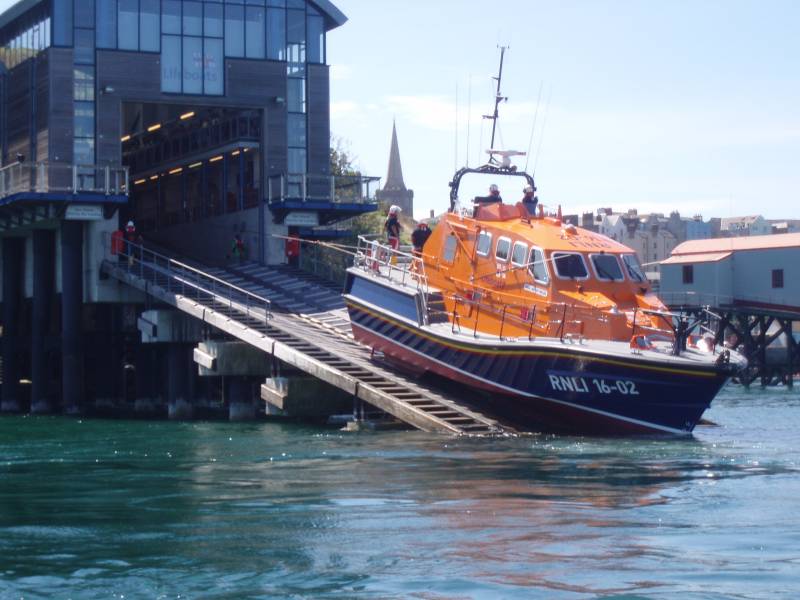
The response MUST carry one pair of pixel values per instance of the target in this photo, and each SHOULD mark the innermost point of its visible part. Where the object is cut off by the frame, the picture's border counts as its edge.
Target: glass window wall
(254, 32)
(234, 30)
(106, 23)
(149, 25)
(192, 65)
(128, 25)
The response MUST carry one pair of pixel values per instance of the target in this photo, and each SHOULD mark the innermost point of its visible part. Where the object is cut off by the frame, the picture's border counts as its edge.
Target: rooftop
(754, 242)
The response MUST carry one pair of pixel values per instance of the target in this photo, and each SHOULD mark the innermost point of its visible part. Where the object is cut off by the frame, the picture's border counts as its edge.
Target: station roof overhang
(329, 212)
(333, 16)
(17, 10)
(24, 209)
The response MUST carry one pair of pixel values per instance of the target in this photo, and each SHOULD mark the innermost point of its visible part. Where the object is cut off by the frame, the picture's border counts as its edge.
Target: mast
(498, 98)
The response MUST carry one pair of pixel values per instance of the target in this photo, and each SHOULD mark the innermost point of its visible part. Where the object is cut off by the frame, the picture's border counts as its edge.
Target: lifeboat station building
(757, 271)
(202, 122)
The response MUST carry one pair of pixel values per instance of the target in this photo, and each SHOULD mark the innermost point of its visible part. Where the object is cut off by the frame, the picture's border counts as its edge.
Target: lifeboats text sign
(84, 212)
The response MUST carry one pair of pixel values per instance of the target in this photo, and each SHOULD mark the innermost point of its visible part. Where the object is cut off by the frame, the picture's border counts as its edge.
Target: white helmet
(528, 189)
(130, 224)
(494, 188)
(394, 209)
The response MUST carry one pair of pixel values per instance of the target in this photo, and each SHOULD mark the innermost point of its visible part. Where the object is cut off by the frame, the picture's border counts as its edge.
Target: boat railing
(565, 320)
(404, 268)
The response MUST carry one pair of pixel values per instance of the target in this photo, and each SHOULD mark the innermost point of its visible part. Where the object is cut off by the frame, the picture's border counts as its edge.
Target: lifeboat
(555, 325)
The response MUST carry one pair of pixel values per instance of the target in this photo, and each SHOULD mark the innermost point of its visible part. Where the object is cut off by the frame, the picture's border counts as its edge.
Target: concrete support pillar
(43, 279)
(147, 395)
(13, 249)
(179, 361)
(241, 403)
(71, 306)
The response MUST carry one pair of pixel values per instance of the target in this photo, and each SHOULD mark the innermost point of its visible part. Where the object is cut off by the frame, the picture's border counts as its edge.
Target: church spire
(394, 176)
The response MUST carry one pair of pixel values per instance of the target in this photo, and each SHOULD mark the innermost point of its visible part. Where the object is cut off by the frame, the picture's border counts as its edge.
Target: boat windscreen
(537, 266)
(607, 267)
(570, 265)
(633, 268)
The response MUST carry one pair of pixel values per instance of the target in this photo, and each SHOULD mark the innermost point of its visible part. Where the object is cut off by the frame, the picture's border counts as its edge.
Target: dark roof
(334, 17)
(17, 10)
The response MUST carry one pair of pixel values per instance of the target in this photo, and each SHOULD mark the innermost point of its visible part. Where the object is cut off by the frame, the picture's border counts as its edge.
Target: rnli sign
(84, 212)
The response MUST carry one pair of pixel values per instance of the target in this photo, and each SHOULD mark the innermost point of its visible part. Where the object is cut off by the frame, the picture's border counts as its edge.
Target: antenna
(469, 112)
(455, 146)
(533, 128)
(544, 124)
(498, 98)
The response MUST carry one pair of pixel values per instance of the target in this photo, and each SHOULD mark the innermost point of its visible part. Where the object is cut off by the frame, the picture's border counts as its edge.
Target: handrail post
(563, 323)
(503, 321)
(477, 315)
(74, 179)
(530, 328)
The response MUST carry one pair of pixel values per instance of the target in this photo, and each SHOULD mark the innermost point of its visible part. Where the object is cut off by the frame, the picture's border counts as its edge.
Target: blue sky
(693, 106)
(658, 105)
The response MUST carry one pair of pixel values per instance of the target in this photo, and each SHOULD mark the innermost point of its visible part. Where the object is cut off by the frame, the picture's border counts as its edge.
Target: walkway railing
(186, 280)
(47, 177)
(345, 189)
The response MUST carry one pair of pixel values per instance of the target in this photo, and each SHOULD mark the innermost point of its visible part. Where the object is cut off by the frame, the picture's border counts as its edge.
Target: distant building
(697, 229)
(740, 226)
(785, 225)
(394, 190)
(647, 235)
(755, 271)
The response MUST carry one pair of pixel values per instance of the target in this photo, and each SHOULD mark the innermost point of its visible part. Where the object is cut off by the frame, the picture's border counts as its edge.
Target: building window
(106, 23)
(688, 274)
(777, 278)
(128, 25)
(192, 46)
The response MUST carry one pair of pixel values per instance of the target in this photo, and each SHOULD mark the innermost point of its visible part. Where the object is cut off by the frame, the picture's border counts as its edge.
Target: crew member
(393, 227)
(529, 201)
(494, 194)
(419, 237)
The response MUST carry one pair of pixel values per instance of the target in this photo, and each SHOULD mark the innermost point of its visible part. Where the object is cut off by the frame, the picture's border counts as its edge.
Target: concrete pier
(179, 364)
(241, 402)
(43, 283)
(71, 306)
(13, 254)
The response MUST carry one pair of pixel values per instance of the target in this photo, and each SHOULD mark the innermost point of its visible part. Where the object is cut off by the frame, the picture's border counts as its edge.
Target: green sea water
(138, 509)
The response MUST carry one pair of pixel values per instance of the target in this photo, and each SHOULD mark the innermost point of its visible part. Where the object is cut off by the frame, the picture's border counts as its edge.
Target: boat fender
(641, 342)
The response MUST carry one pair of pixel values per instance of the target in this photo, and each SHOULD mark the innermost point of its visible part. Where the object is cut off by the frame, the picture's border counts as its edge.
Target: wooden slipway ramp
(300, 321)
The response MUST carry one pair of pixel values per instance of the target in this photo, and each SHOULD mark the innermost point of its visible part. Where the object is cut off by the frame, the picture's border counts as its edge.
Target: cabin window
(570, 265)
(502, 249)
(484, 243)
(606, 267)
(450, 245)
(633, 268)
(777, 278)
(537, 266)
(519, 253)
(688, 274)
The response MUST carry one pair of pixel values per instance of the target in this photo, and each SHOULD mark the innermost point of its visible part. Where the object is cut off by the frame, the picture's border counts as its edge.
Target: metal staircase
(240, 303)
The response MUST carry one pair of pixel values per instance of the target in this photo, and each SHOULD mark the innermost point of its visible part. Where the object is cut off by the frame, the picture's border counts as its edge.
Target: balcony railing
(346, 189)
(46, 177)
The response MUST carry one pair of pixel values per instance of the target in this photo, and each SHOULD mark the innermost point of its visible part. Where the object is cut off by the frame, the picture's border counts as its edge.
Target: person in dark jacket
(419, 237)
(529, 201)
